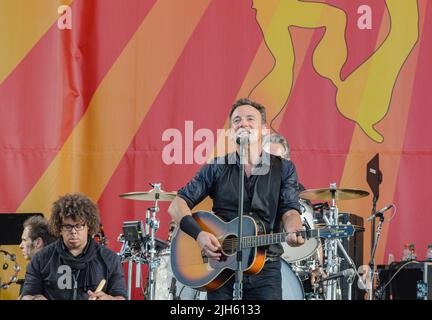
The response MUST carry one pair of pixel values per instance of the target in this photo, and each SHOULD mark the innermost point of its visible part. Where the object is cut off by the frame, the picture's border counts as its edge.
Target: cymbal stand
(153, 260)
(152, 225)
(333, 261)
(350, 279)
(372, 259)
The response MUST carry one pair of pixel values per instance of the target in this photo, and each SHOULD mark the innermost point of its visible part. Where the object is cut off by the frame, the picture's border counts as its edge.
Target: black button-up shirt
(264, 200)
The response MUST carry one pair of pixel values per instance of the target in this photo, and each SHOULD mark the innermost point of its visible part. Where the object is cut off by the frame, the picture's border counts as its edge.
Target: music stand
(11, 227)
(374, 179)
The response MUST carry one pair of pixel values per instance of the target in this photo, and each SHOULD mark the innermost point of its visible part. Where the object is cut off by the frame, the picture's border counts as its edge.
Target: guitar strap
(266, 193)
(276, 179)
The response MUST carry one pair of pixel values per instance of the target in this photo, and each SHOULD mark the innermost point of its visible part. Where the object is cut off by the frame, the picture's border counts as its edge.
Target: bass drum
(294, 254)
(292, 287)
(168, 288)
(163, 276)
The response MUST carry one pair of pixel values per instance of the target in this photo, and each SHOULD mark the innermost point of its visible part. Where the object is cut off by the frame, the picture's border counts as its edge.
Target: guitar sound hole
(229, 245)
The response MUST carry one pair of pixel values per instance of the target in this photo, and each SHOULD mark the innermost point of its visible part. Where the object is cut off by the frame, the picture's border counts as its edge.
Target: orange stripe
(92, 152)
(23, 23)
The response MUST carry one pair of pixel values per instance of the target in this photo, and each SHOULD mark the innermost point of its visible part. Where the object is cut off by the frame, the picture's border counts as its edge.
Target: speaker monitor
(401, 281)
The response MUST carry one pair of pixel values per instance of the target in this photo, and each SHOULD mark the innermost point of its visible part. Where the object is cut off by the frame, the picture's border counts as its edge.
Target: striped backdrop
(84, 104)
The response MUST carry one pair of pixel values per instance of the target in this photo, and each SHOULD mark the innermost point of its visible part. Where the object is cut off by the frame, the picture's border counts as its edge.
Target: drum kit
(308, 271)
(329, 273)
(140, 244)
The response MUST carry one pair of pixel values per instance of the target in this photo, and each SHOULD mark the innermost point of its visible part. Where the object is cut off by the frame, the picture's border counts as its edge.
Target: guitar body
(193, 269)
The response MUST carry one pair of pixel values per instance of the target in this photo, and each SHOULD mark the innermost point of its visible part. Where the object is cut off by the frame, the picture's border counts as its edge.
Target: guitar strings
(231, 243)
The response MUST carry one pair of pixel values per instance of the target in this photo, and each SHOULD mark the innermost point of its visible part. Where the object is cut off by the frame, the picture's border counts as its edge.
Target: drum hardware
(99, 237)
(317, 285)
(139, 242)
(133, 250)
(331, 246)
(153, 262)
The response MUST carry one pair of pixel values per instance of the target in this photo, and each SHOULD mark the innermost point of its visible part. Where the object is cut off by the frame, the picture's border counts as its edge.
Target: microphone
(380, 212)
(345, 273)
(242, 137)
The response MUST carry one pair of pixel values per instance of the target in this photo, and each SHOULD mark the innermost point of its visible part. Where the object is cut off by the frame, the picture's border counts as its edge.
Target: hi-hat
(152, 195)
(329, 194)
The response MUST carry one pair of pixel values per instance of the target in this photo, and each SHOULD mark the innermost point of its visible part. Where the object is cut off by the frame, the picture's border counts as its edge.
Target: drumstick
(99, 287)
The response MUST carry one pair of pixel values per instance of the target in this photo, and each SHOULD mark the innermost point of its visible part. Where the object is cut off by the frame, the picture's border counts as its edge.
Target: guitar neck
(274, 238)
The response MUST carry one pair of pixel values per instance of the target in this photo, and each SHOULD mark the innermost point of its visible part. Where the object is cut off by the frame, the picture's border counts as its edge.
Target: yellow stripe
(91, 154)
(22, 24)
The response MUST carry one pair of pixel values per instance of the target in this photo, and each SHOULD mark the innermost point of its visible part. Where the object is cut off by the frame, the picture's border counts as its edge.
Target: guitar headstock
(336, 231)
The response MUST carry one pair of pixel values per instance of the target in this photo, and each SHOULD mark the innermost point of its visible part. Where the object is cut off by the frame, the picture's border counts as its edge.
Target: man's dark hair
(244, 102)
(39, 228)
(77, 207)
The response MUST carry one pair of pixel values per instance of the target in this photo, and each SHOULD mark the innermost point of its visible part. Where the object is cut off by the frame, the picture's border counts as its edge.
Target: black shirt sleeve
(199, 186)
(116, 282)
(288, 197)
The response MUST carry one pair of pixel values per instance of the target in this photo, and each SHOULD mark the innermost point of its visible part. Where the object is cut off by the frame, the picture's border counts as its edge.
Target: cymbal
(327, 194)
(151, 195)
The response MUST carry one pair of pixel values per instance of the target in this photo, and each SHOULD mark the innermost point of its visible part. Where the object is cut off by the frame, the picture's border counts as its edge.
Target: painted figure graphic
(380, 70)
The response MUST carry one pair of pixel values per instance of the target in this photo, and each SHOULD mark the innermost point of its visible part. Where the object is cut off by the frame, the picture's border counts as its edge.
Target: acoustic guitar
(193, 268)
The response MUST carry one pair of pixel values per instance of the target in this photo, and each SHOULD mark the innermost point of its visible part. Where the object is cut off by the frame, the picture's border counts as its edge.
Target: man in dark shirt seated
(72, 267)
(270, 197)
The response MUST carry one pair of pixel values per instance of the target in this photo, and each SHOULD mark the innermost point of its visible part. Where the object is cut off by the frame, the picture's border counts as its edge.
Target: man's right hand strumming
(209, 244)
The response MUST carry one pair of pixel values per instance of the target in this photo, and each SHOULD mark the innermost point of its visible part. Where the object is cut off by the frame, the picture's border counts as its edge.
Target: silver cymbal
(327, 194)
(151, 195)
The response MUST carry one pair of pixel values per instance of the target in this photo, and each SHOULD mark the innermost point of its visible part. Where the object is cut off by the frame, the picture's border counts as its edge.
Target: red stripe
(202, 87)
(48, 92)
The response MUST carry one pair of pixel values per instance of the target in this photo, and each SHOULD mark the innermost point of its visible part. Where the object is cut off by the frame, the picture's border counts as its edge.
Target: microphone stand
(238, 285)
(374, 203)
(372, 261)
